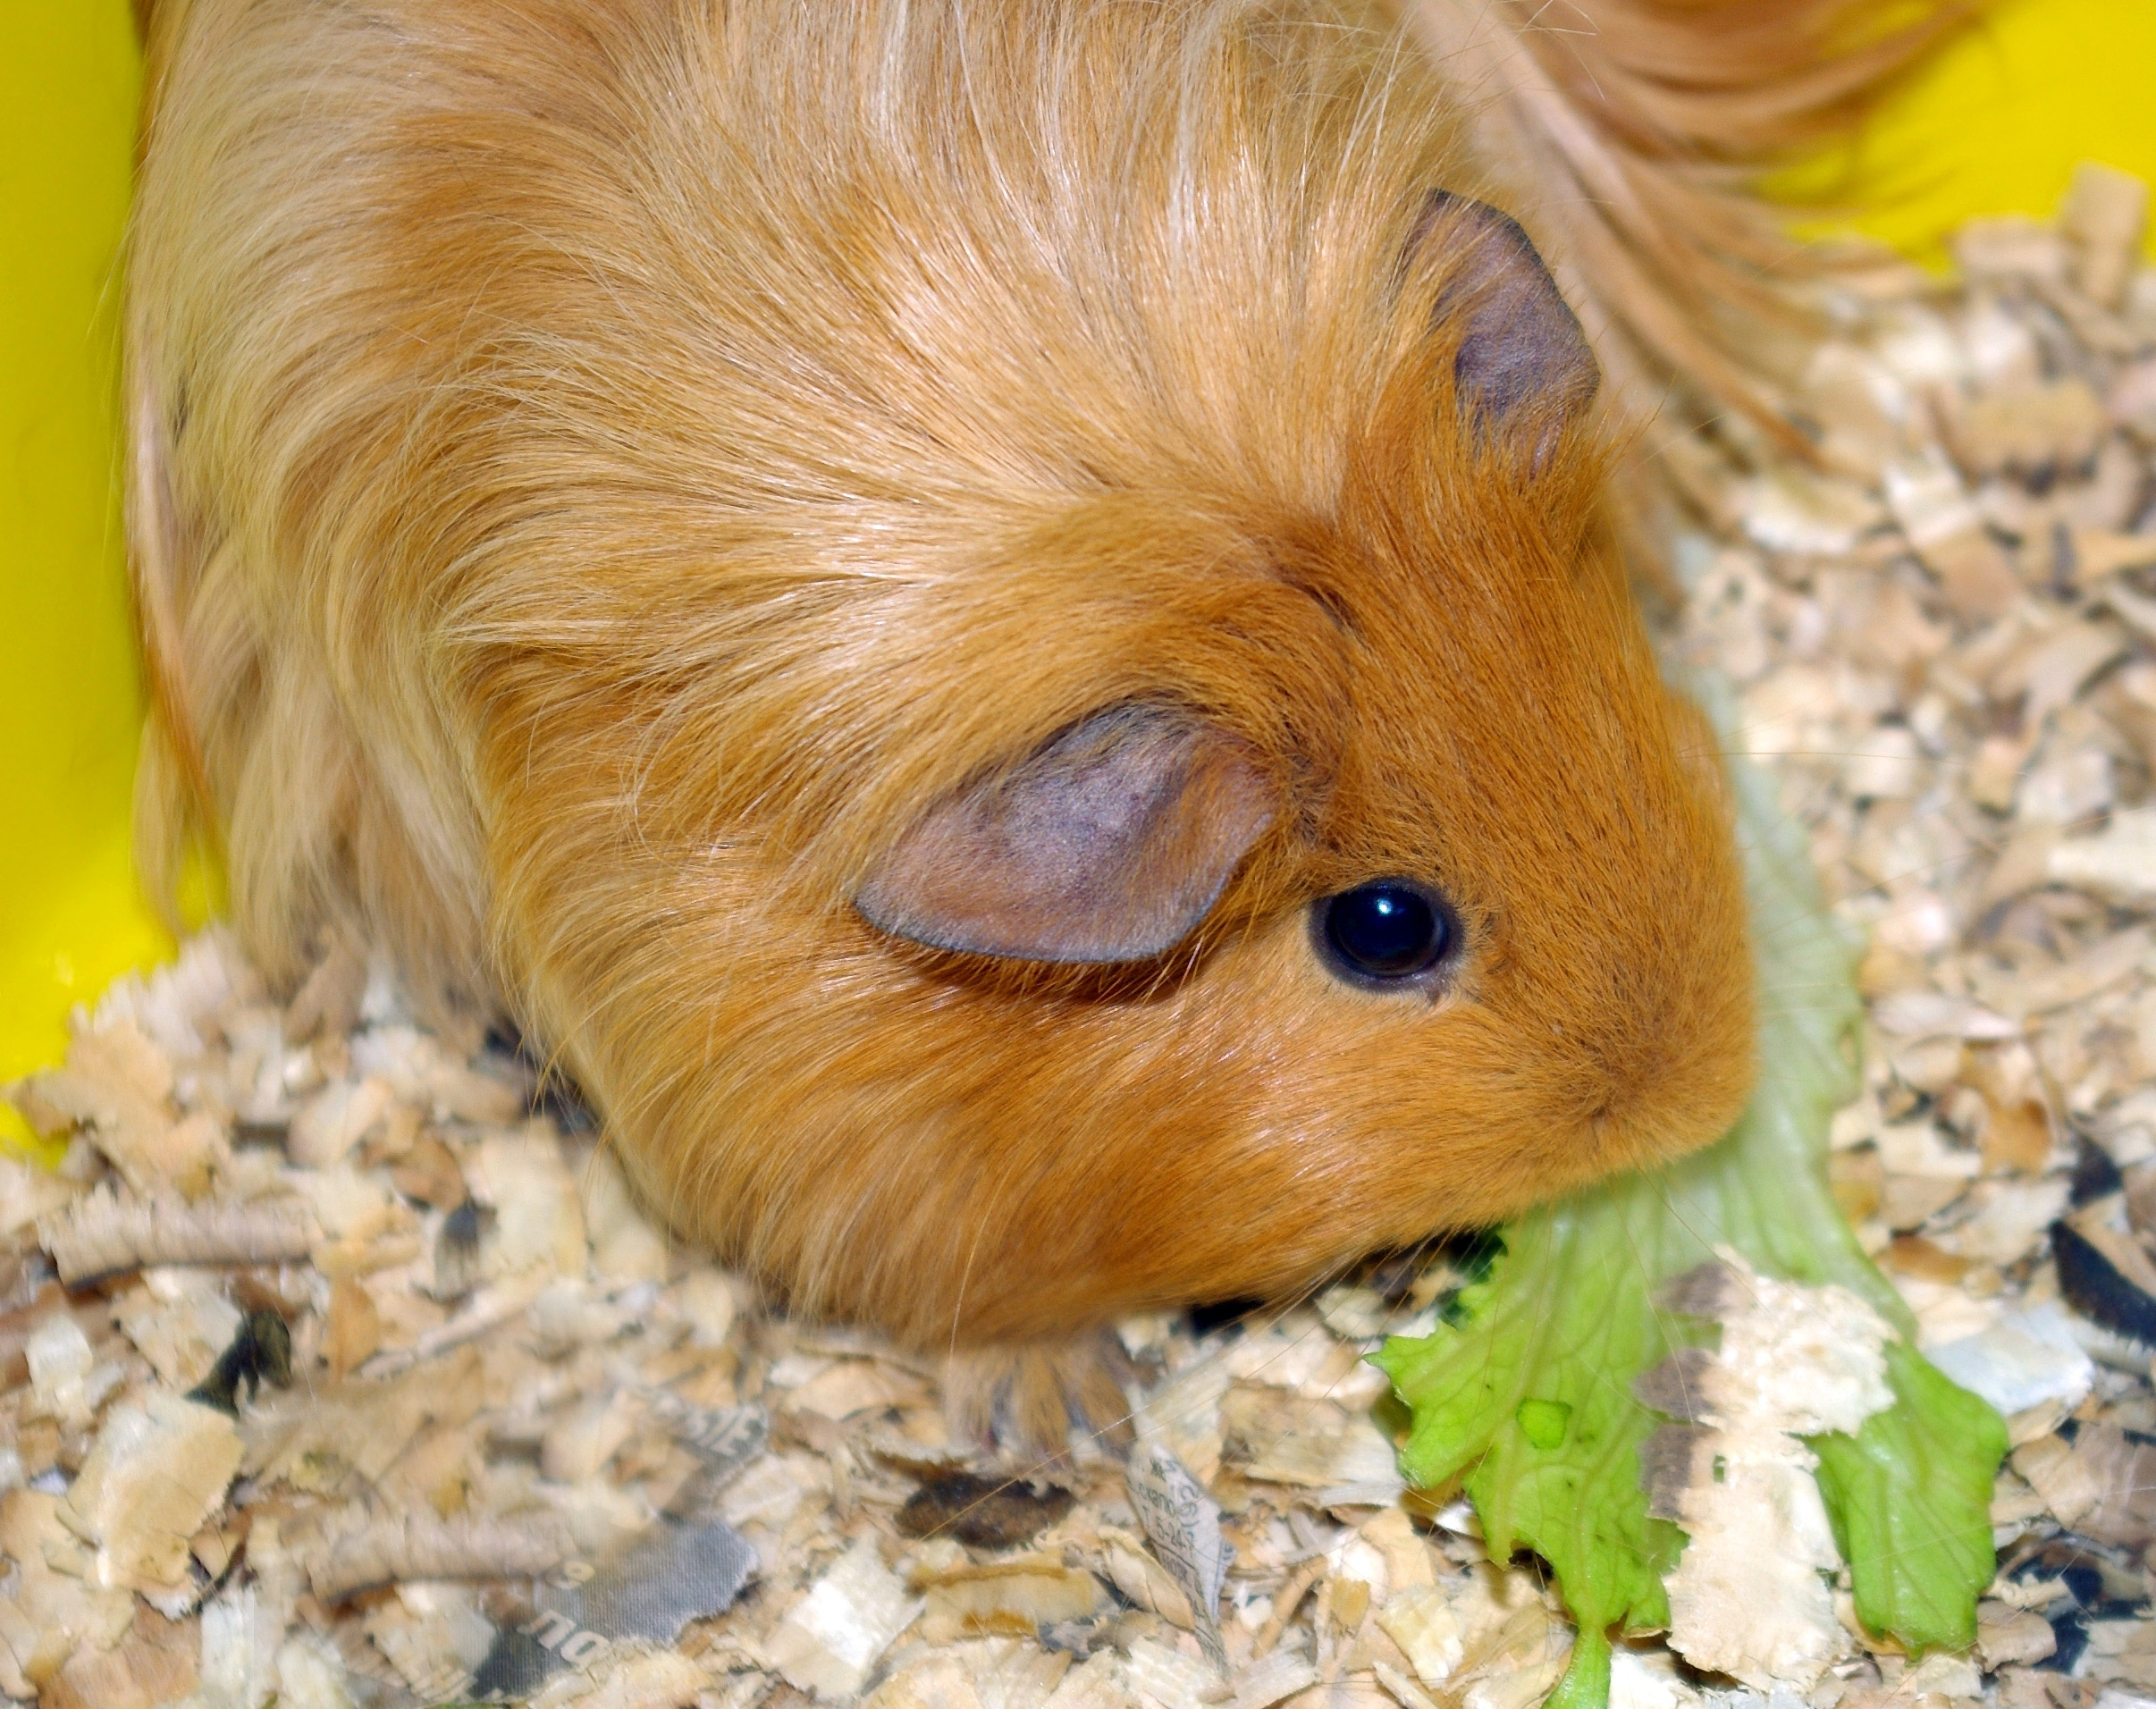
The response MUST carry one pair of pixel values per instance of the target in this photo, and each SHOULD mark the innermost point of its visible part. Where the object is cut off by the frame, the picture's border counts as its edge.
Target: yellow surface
(1995, 122)
(1994, 125)
(69, 705)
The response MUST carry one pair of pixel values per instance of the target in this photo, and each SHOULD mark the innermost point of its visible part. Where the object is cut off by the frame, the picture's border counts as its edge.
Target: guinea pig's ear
(1524, 367)
(1109, 845)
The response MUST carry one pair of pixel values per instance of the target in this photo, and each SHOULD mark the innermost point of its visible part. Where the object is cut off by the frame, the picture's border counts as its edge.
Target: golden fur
(604, 467)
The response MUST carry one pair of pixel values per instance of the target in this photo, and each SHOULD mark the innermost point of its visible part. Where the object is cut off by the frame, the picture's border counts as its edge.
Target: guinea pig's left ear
(1109, 845)
(1523, 366)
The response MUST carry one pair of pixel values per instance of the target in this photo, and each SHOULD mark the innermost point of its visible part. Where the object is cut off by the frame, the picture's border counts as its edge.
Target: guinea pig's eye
(1384, 932)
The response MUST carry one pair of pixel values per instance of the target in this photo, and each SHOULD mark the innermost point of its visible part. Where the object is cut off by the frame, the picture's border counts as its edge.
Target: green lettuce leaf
(1909, 1496)
(1525, 1395)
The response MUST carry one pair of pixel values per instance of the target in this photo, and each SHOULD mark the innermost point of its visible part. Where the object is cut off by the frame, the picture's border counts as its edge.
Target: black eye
(1385, 931)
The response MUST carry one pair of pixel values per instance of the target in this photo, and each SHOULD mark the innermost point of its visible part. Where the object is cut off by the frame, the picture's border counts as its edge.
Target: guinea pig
(998, 622)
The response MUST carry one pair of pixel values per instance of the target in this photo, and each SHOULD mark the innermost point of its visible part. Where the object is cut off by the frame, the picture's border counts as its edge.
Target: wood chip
(354, 1329)
(831, 1638)
(2066, 1484)
(2017, 1135)
(336, 1120)
(119, 1084)
(107, 1234)
(154, 1664)
(155, 1473)
(1422, 1620)
(389, 1549)
(2029, 430)
(2104, 215)
(1013, 1602)
(2119, 863)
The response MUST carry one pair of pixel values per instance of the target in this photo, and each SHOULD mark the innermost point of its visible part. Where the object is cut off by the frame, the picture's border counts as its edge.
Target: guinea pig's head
(1381, 887)
(1424, 896)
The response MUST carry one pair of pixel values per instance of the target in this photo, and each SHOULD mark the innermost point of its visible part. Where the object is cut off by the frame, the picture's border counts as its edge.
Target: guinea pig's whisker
(965, 1276)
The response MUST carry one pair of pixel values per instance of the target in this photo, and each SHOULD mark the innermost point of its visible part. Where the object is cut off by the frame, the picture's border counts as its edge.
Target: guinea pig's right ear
(1109, 845)
(1523, 367)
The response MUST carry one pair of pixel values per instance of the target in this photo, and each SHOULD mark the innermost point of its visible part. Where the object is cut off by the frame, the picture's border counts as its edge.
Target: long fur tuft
(1631, 131)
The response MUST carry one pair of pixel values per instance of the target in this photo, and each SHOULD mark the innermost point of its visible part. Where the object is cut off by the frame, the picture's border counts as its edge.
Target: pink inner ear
(1523, 362)
(1109, 845)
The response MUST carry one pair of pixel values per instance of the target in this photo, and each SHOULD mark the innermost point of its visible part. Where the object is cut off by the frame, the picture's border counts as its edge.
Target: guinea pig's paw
(1031, 1399)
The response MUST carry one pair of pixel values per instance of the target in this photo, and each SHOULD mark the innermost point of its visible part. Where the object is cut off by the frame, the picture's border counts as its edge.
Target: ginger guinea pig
(997, 620)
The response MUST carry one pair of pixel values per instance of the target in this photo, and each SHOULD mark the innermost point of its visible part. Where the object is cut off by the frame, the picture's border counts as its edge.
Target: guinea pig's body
(865, 569)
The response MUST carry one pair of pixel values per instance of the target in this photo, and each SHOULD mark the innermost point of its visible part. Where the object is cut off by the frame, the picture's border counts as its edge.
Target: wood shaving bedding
(320, 1302)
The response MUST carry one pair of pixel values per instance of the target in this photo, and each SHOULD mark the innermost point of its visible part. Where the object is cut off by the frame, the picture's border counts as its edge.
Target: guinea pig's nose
(1660, 1078)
